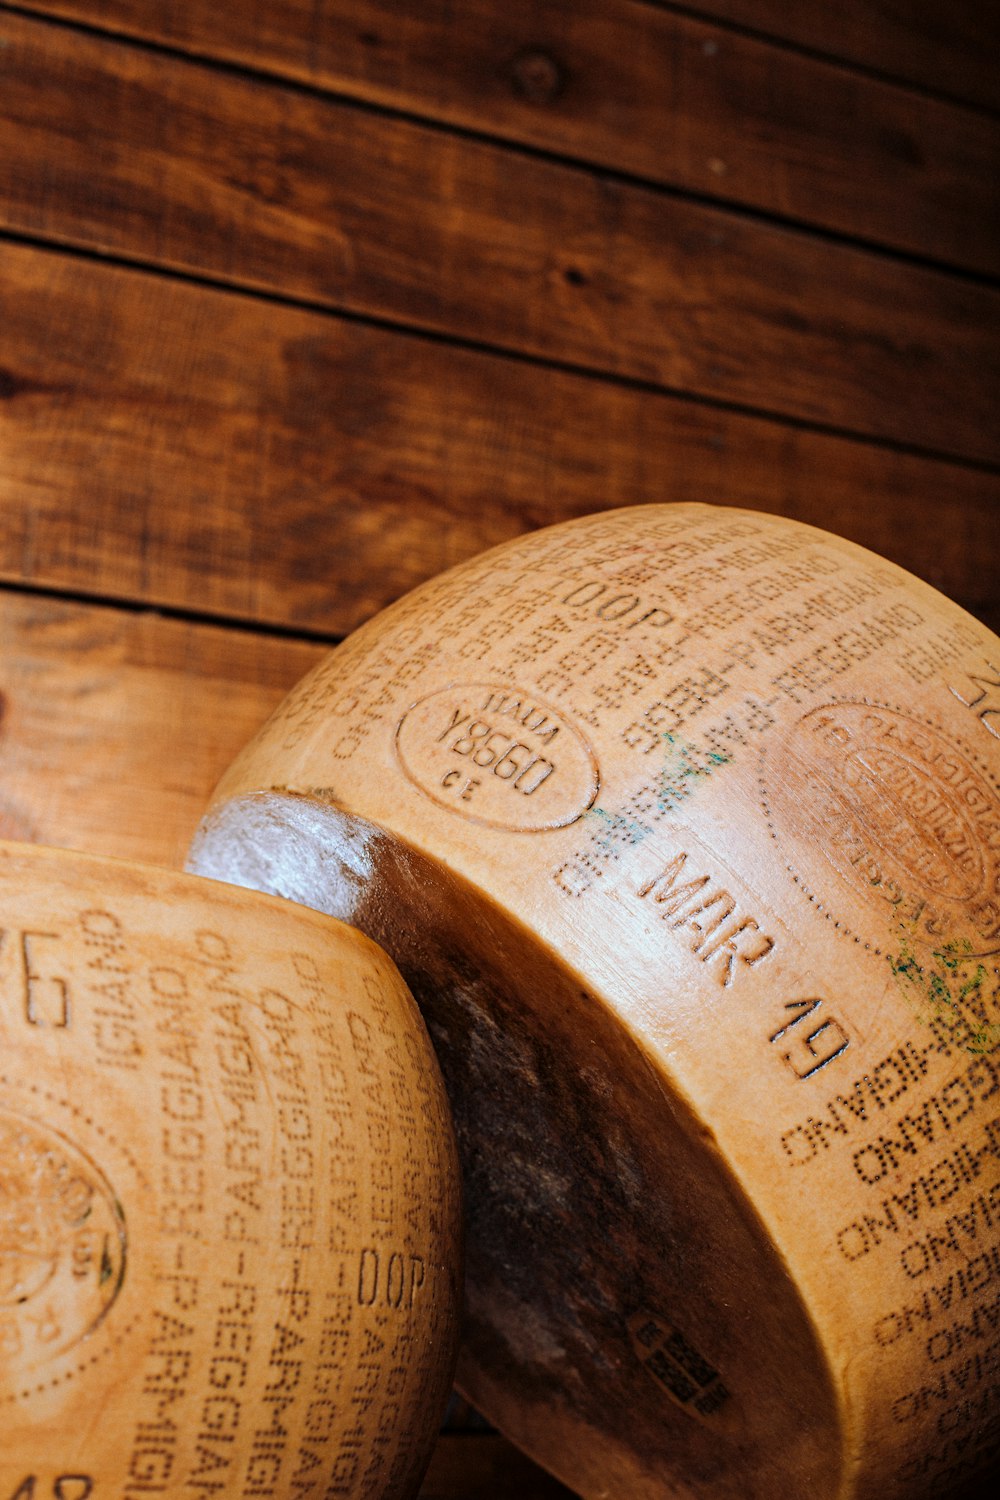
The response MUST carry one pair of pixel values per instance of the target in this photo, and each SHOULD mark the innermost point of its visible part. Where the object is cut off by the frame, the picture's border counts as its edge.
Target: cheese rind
(729, 789)
(229, 1203)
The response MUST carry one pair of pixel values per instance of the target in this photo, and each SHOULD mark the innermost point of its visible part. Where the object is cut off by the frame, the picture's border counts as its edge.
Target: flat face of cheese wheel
(229, 1217)
(741, 781)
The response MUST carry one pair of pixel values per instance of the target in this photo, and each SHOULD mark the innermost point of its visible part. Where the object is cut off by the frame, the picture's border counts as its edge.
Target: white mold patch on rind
(289, 846)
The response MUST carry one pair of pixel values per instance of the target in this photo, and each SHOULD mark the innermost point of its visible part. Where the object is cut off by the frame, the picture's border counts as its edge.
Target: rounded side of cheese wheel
(683, 824)
(229, 1198)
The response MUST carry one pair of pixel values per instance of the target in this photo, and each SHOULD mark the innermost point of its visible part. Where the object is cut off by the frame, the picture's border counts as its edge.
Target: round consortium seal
(62, 1246)
(888, 827)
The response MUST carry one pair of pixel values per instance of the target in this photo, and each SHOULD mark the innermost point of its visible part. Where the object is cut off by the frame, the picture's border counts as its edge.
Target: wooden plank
(212, 452)
(475, 1466)
(116, 725)
(637, 89)
(951, 48)
(169, 162)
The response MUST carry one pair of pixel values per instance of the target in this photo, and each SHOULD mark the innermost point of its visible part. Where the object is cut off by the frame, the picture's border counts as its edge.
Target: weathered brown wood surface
(485, 1467)
(116, 724)
(949, 49)
(302, 303)
(248, 459)
(636, 88)
(275, 190)
(943, 49)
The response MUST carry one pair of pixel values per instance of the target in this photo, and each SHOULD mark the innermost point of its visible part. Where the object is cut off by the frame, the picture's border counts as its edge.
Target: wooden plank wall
(304, 301)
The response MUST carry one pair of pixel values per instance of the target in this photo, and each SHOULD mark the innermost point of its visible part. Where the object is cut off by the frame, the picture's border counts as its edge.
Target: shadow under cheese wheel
(683, 825)
(229, 1200)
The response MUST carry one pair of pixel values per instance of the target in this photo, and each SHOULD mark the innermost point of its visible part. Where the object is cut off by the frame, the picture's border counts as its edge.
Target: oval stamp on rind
(889, 826)
(62, 1247)
(499, 756)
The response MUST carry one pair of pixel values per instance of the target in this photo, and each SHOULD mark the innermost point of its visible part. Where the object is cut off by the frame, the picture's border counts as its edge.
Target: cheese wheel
(683, 825)
(229, 1214)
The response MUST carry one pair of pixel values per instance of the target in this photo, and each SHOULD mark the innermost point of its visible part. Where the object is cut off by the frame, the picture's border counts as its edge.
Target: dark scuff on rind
(591, 1196)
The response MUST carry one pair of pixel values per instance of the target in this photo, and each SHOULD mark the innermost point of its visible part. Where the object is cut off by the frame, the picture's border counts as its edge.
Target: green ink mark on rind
(675, 782)
(683, 769)
(947, 982)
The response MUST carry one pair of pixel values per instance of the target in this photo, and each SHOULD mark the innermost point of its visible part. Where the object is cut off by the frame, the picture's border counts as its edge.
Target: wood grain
(213, 452)
(637, 89)
(170, 163)
(116, 725)
(484, 1466)
(949, 48)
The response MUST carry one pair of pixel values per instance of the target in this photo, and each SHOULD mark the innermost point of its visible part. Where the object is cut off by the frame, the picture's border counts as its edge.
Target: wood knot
(10, 385)
(537, 77)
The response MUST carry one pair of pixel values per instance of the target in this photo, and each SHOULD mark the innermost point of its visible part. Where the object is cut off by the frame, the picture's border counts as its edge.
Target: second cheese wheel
(683, 825)
(229, 1212)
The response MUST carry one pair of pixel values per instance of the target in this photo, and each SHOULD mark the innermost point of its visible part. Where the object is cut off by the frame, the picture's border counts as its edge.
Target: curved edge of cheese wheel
(771, 733)
(230, 1234)
(629, 1321)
